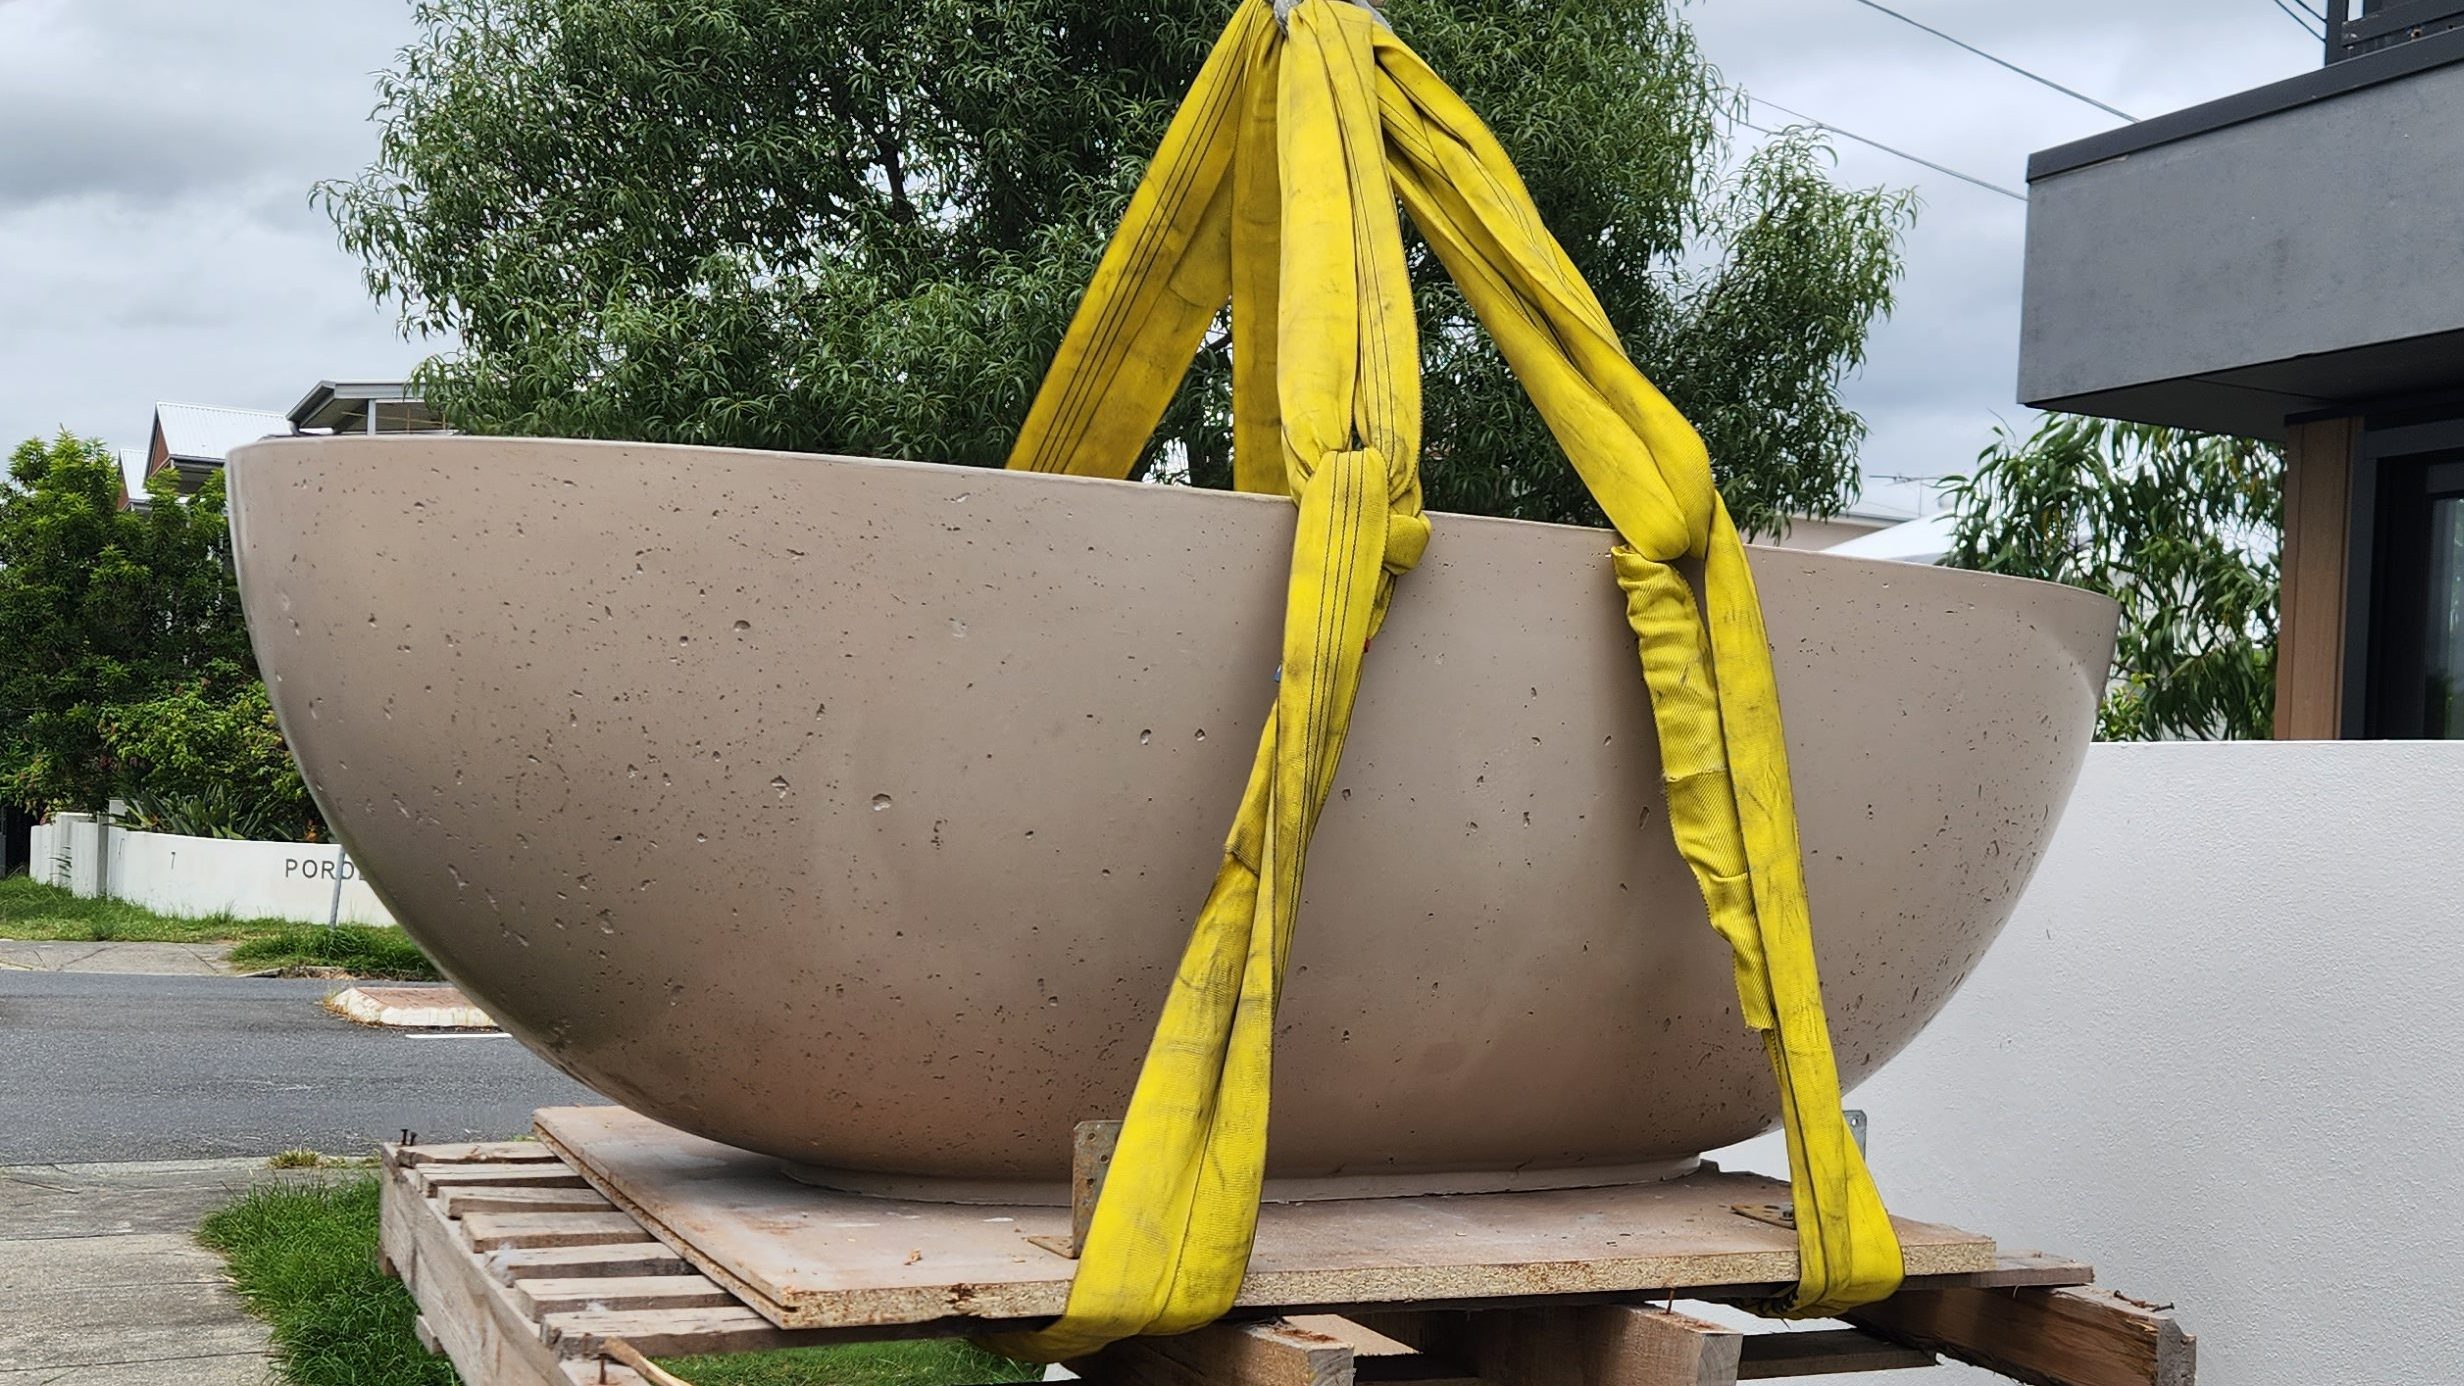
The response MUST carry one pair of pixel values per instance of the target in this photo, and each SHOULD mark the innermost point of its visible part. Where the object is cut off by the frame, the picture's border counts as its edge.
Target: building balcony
(2287, 250)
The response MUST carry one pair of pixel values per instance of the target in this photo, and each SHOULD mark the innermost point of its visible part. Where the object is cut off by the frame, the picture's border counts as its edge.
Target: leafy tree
(2180, 528)
(100, 606)
(831, 225)
(206, 759)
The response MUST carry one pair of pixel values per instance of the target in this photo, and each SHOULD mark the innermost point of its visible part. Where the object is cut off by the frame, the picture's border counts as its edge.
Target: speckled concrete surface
(102, 1282)
(136, 959)
(855, 812)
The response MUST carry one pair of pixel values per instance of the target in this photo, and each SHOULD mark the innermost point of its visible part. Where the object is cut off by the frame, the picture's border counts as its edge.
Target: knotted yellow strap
(1713, 698)
(1322, 277)
(1274, 190)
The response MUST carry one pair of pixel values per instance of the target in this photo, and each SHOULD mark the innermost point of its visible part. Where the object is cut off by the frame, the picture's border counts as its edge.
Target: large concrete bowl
(856, 811)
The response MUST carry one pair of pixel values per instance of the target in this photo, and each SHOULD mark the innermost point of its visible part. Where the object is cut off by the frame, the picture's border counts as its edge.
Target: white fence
(193, 876)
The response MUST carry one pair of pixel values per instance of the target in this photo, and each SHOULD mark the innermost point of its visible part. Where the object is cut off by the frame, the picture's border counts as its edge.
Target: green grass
(29, 910)
(303, 1256)
(311, 1159)
(939, 1362)
(354, 948)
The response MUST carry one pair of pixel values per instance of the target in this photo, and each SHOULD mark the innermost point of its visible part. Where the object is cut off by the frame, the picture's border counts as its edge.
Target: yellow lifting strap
(1275, 190)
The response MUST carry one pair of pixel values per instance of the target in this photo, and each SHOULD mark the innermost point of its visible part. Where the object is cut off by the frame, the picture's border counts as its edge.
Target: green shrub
(205, 759)
(101, 607)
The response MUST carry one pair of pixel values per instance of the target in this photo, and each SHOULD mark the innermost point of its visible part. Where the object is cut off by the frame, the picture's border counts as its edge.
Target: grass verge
(313, 1159)
(303, 1256)
(30, 910)
(356, 949)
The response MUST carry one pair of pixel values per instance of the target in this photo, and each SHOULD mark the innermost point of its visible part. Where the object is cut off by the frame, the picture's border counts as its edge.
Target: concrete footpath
(102, 1282)
(132, 959)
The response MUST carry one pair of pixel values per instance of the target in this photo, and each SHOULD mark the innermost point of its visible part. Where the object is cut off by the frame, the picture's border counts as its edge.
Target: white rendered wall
(2215, 1055)
(47, 853)
(194, 876)
(76, 847)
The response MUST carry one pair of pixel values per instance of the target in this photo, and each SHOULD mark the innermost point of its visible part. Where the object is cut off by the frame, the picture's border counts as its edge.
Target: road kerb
(409, 1008)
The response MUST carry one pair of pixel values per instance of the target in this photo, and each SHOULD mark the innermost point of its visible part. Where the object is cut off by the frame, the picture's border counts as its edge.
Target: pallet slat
(1272, 1353)
(462, 1202)
(1824, 1352)
(641, 1257)
(474, 1152)
(489, 1231)
(471, 1318)
(1587, 1345)
(2074, 1336)
(501, 1174)
(2011, 1269)
(668, 1332)
(571, 1294)
(2016, 1268)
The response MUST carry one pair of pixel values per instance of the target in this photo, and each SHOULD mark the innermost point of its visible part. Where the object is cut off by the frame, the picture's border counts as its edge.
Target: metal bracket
(1090, 1159)
(1785, 1214)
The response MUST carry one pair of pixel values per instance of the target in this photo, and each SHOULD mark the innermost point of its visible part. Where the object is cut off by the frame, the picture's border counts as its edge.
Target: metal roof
(344, 406)
(208, 432)
(1923, 540)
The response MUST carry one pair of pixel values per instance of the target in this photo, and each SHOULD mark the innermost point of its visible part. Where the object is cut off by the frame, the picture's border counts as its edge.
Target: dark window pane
(2443, 640)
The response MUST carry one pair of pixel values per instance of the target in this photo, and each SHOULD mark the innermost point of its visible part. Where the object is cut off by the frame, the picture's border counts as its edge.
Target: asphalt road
(98, 1066)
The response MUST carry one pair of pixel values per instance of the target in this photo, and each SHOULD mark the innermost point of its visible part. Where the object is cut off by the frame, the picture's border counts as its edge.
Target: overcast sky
(157, 240)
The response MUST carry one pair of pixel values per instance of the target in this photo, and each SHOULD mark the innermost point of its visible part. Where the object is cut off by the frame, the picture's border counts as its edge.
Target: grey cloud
(145, 144)
(154, 102)
(155, 155)
(1941, 373)
(156, 239)
(110, 316)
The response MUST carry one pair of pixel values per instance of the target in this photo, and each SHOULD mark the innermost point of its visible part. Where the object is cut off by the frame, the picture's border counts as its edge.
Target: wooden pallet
(526, 1275)
(807, 1257)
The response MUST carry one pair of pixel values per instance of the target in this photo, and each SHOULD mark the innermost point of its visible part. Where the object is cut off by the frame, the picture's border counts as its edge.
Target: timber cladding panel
(2319, 458)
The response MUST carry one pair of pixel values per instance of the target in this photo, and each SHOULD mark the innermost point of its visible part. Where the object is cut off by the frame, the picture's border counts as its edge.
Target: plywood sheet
(810, 1258)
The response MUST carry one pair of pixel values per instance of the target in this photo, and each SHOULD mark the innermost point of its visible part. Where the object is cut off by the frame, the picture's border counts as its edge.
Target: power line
(2033, 77)
(1901, 153)
(2296, 16)
(2315, 12)
(1877, 144)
